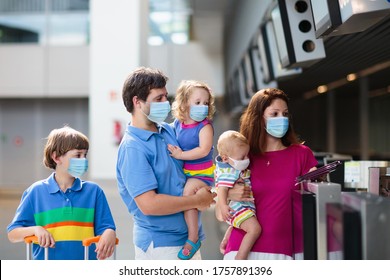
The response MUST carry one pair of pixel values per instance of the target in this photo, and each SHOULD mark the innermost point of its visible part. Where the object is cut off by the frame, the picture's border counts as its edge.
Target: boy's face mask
(77, 166)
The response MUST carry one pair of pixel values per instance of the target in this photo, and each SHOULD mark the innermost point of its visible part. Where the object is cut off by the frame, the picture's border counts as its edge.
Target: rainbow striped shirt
(81, 212)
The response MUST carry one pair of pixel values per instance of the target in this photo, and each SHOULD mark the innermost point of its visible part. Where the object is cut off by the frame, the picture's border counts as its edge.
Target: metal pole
(364, 117)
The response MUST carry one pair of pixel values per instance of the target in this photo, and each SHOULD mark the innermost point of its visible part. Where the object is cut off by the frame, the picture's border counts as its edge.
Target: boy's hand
(106, 245)
(45, 239)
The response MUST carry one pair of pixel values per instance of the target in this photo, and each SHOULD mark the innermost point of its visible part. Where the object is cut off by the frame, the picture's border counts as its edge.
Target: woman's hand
(240, 192)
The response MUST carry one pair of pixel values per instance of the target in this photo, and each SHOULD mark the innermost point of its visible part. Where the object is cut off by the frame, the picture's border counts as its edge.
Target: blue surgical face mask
(277, 127)
(77, 166)
(199, 112)
(158, 111)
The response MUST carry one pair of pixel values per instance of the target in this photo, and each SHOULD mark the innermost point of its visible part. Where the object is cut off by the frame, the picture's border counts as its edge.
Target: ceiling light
(351, 77)
(322, 89)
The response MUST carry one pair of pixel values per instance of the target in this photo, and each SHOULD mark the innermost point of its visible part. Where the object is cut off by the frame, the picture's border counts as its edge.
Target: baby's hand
(175, 151)
(226, 212)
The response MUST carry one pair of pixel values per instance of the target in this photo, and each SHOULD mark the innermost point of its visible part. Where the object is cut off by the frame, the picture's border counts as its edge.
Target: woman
(277, 157)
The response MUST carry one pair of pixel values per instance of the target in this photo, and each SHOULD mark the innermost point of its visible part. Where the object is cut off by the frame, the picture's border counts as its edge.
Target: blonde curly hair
(183, 93)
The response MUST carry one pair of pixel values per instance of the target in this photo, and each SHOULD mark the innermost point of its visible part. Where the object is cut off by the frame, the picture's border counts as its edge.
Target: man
(150, 181)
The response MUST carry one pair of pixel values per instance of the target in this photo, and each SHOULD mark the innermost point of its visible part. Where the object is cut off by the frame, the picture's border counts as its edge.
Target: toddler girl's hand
(175, 151)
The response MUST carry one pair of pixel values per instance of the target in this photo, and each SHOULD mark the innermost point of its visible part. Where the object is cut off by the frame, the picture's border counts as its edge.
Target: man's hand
(205, 198)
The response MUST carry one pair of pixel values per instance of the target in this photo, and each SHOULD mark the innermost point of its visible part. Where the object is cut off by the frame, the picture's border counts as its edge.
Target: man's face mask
(158, 111)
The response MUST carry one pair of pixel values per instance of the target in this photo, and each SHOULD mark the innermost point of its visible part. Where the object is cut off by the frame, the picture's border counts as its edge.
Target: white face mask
(240, 164)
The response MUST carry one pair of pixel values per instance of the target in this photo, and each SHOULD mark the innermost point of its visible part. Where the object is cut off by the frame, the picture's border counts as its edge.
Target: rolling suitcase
(29, 240)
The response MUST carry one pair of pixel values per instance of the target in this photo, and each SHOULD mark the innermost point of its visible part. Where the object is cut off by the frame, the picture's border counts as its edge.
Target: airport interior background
(65, 61)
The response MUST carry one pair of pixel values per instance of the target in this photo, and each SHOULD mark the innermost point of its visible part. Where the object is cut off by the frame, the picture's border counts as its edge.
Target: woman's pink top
(273, 177)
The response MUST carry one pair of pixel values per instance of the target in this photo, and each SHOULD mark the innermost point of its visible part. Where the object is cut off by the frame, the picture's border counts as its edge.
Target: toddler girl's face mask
(199, 112)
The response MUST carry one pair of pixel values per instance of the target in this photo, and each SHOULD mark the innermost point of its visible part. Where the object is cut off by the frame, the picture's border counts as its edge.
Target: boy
(62, 210)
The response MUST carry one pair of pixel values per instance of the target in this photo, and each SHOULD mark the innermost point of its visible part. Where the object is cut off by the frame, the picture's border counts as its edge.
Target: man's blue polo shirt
(144, 164)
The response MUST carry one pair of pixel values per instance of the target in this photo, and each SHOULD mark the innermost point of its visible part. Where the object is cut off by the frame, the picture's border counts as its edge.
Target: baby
(231, 166)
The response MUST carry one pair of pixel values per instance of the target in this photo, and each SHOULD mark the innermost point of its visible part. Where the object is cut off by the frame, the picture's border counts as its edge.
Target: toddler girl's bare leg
(191, 216)
(253, 231)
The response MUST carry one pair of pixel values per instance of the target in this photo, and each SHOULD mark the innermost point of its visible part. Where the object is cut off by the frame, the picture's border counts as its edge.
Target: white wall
(201, 59)
(68, 73)
(181, 62)
(24, 125)
(44, 71)
(116, 49)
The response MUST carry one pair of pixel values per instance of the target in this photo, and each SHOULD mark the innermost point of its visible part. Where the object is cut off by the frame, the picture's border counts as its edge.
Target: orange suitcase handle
(88, 241)
(31, 239)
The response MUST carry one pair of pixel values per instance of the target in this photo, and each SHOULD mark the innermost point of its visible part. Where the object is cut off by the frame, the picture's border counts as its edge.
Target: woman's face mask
(199, 112)
(77, 166)
(158, 111)
(277, 126)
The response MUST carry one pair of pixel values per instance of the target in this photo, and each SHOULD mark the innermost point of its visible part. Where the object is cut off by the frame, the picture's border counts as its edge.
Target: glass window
(69, 22)
(22, 21)
(54, 22)
(169, 21)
